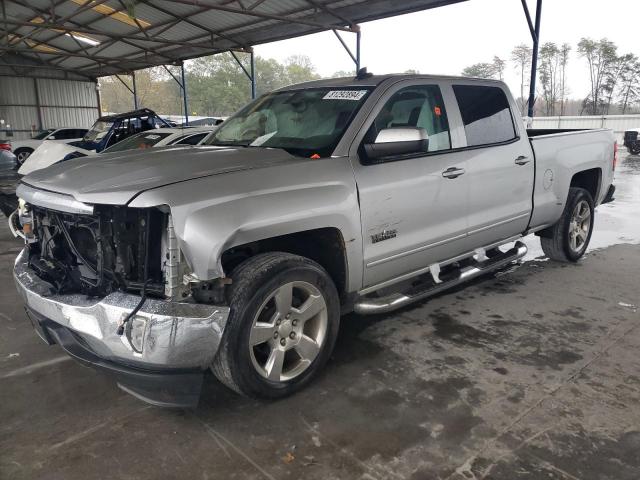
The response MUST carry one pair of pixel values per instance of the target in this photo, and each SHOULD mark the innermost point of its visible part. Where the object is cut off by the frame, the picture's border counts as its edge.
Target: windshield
(98, 131)
(43, 134)
(139, 141)
(303, 122)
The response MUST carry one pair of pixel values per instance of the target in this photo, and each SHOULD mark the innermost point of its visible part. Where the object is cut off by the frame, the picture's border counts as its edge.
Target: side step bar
(373, 305)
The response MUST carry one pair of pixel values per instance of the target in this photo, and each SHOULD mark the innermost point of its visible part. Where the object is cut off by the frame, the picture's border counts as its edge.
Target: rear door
(500, 164)
(412, 215)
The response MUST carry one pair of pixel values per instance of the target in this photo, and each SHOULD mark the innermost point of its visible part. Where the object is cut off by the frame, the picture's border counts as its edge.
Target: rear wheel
(22, 154)
(282, 326)
(634, 149)
(569, 238)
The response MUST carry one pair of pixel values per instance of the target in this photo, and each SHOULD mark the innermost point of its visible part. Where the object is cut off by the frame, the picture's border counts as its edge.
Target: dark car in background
(632, 141)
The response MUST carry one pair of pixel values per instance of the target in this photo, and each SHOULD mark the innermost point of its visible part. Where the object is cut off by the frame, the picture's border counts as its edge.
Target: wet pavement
(532, 373)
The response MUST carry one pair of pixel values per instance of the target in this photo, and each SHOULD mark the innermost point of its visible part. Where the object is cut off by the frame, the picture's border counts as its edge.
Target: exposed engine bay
(116, 248)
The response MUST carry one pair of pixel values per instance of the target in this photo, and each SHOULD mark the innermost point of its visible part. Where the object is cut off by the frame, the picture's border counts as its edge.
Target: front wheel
(282, 325)
(634, 149)
(568, 239)
(22, 154)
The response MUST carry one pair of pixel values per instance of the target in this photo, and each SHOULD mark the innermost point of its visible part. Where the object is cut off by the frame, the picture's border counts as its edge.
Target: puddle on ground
(615, 222)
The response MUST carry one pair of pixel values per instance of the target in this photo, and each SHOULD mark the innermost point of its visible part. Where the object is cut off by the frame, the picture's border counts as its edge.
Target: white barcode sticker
(345, 95)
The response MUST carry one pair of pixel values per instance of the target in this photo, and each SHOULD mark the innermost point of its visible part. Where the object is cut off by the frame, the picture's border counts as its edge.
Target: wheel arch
(590, 180)
(326, 246)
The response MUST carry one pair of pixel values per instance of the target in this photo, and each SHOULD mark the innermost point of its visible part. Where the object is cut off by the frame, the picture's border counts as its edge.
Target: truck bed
(559, 155)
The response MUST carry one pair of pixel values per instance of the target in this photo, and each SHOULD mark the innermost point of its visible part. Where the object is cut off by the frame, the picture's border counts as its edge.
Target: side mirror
(51, 137)
(396, 141)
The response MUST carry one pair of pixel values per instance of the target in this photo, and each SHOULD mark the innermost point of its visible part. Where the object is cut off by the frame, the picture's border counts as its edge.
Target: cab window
(485, 113)
(417, 106)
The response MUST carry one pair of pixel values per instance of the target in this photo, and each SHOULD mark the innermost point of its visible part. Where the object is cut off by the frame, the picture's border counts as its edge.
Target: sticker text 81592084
(344, 95)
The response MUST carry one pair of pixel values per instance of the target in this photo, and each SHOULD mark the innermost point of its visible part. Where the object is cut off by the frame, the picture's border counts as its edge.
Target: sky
(447, 39)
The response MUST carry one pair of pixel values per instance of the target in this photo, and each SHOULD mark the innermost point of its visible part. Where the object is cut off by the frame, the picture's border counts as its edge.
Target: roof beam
(266, 16)
(188, 20)
(112, 36)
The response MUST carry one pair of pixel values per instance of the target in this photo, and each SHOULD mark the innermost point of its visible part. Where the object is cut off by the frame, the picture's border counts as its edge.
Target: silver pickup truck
(360, 194)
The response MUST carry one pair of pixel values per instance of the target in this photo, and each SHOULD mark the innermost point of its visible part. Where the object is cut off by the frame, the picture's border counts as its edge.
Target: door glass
(417, 106)
(485, 113)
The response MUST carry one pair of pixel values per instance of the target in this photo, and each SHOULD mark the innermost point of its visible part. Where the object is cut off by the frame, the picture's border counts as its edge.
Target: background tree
(565, 50)
(498, 66)
(600, 56)
(629, 90)
(521, 58)
(216, 85)
(549, 73)
(495, 69)
(613, 77)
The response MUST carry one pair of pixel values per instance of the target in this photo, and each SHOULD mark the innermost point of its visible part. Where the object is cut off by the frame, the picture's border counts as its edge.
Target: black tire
(253, 282)
(555, 240)
(634, 149)
(20, 153)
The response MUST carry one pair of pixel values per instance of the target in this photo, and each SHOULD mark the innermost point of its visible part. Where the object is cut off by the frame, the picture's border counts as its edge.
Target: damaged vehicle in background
(357, 194)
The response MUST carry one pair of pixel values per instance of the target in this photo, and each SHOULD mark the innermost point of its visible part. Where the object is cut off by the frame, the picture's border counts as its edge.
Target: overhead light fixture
(83, 39)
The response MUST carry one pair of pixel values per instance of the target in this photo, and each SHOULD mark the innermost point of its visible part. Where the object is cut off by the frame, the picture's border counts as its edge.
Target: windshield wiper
(230, 144)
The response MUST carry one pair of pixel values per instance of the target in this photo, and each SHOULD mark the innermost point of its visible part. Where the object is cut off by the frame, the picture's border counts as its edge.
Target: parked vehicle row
(240, 255)
(113, 133)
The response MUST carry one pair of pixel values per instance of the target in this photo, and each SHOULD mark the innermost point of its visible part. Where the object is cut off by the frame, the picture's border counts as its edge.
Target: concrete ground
(527, 374)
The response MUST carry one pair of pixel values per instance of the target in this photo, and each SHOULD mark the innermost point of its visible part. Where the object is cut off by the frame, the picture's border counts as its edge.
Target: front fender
(215, 213)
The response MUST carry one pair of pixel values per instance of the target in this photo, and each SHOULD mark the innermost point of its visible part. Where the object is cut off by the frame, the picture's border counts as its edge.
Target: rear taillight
(5, 146)
(615, 154)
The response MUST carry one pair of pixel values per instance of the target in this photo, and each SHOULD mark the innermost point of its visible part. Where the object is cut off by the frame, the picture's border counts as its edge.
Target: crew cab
(240, 255)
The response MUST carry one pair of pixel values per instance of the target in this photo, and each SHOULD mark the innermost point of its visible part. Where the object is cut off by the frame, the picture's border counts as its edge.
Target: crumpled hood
(116, 178)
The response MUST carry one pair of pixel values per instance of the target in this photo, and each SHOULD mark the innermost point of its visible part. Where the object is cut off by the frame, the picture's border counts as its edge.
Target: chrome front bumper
(176, 335)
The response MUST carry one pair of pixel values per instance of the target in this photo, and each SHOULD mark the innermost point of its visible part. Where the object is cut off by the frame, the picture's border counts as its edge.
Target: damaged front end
(109, 284)
(109, 250)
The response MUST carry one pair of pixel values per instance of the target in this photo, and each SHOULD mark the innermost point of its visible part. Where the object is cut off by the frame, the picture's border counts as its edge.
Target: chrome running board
(367, 305)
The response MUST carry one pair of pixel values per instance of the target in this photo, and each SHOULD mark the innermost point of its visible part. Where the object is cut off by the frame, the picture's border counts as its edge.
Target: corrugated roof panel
(239, 27)
(181, 31)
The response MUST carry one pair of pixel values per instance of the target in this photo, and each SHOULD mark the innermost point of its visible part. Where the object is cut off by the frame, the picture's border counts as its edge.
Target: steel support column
(355, 57)
(184, 95)
(535, 35)
(251, 73)
(358, 35)
(135, 91)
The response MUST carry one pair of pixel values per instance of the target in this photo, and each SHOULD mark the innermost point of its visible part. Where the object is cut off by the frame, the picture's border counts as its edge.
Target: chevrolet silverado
(357, 194)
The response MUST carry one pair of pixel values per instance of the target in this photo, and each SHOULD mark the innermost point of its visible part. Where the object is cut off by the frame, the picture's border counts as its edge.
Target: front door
(413, 207)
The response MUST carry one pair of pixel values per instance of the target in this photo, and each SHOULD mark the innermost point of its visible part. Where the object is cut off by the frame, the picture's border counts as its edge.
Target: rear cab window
(486, 115)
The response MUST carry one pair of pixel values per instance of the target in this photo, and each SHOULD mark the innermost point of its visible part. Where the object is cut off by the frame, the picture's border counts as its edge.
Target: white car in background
(23, 148)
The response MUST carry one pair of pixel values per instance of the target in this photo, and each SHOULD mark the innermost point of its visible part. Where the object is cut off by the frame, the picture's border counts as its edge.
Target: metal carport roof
(106, 37)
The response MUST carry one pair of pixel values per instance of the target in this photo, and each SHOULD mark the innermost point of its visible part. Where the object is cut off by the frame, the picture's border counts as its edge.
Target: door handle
(453, 172)
(522, 160)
